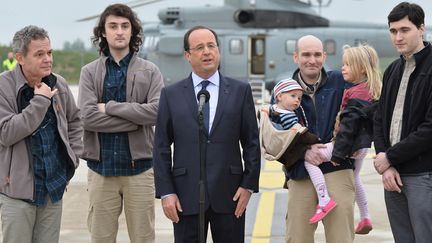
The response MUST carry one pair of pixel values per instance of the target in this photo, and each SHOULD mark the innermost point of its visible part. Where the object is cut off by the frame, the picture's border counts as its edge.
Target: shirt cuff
(167, 195)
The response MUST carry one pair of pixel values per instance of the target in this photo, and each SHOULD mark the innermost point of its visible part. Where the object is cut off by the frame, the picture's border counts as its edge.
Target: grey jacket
(137, 115)
(16, 169)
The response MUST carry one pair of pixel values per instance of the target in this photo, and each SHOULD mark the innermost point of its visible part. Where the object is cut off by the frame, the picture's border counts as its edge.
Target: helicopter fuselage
(255, 44)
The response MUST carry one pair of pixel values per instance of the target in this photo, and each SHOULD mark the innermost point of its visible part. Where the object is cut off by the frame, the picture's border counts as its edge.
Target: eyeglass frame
(200, 48)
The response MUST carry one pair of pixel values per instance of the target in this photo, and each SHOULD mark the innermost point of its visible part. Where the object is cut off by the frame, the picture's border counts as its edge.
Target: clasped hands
(390, 176)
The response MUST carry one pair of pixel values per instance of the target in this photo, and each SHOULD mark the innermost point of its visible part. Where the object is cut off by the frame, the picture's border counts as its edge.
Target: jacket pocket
(236, 170)
(179, 171)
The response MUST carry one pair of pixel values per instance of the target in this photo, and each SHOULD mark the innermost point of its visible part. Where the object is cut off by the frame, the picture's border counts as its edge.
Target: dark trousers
(225, 228)
(410, 212)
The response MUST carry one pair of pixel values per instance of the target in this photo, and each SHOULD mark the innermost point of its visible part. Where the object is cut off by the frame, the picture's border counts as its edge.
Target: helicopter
(257, 38)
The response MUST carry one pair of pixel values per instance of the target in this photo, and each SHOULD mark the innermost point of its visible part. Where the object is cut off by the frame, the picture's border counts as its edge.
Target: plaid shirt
(49, 165)
(116, 159)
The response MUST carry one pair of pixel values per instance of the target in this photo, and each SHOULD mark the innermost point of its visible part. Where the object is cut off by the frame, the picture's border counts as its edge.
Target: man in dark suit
(229, 183)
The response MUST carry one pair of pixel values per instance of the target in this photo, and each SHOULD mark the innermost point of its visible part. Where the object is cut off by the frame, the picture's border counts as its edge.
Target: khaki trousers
(109, 194)
(302, 201)
(23, 222)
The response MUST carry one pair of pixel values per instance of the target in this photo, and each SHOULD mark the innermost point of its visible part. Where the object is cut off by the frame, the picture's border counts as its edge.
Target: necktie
(206, 108)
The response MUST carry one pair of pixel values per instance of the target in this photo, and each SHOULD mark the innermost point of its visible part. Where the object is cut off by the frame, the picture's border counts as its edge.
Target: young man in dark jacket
(403, 128)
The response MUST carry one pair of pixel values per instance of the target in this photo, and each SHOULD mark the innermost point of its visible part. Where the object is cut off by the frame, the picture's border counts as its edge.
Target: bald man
(321, 101)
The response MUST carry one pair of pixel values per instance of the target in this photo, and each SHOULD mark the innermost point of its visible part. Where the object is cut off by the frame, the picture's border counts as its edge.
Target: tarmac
(265, 218)
(265, 215)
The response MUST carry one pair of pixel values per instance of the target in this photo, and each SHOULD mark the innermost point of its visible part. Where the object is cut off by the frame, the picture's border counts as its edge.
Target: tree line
(67, 62)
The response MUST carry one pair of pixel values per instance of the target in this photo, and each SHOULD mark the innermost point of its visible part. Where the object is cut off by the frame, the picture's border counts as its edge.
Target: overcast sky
(59, 17)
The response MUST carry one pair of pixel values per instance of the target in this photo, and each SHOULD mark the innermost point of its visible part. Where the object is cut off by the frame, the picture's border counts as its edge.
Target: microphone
(203, 97)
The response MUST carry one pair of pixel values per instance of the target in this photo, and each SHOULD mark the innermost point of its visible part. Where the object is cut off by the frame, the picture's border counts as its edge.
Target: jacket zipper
(133, 86)
(27, 141)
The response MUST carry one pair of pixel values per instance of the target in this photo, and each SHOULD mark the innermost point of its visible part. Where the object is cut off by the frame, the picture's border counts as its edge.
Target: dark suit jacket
(234, 124)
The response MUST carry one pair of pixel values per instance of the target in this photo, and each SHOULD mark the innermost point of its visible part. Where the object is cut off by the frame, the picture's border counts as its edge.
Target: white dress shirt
(213, 89)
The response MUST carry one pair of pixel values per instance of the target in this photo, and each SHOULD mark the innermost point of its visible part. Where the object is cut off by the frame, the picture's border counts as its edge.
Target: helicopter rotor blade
(131, 4)
(142, 3)
(88, 18)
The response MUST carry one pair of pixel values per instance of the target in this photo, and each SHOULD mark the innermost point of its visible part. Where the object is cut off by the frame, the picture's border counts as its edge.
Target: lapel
(189, 96)
(191, 99)
(224, 92)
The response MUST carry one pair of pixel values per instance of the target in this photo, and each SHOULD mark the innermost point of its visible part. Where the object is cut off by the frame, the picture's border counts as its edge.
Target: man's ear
(186, 55)
(422, 30)
(20, 58)
(295, 57)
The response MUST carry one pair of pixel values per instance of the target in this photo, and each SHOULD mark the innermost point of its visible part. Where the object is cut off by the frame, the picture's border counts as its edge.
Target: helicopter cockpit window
(236, 46)
(290, 46)
(330, 47)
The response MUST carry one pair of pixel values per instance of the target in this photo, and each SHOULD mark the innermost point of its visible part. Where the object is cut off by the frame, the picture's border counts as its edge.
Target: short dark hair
(198, 27)
(414, 12)
(120, 10)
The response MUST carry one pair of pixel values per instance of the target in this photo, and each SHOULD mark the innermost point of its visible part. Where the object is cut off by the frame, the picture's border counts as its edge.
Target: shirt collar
(123, 62)
(309, 89)
(214, 79)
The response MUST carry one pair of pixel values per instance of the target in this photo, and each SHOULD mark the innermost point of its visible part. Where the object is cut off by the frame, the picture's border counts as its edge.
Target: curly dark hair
(120, 10)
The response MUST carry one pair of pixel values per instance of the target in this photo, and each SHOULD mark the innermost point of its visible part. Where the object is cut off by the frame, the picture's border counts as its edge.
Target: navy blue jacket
(321, 117)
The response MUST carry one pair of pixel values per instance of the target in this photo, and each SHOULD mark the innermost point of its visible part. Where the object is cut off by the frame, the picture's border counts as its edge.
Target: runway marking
(271, 180)
(272, 166)
(271, 176)
(264, 218)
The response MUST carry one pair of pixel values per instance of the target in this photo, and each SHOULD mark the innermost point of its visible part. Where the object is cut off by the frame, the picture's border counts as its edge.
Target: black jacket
(356, 129)
(413, 154)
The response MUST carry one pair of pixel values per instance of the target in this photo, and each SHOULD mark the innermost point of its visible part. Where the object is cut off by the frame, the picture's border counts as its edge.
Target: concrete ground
(265, 220)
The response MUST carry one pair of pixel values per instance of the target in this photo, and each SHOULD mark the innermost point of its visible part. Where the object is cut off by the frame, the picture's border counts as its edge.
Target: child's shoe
(322, 211)
(364, 227)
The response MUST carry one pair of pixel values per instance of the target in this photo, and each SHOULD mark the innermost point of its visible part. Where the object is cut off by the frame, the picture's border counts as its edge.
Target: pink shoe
(364, 227)
(322, 211)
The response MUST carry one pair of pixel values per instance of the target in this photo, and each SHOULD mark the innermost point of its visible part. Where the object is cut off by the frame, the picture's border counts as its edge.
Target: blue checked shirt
(116, 159)
(49, 158)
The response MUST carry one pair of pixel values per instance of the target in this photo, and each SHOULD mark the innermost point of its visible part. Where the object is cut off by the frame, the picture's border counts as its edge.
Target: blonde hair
(363, 59)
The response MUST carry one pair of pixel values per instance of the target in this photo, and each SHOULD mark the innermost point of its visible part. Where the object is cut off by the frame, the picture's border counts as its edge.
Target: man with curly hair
(119, 97)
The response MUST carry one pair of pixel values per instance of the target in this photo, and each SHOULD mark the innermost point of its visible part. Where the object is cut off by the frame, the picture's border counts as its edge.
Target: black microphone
(203, 97)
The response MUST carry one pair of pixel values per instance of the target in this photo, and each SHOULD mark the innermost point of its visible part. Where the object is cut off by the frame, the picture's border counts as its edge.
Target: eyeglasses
(200, 48)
